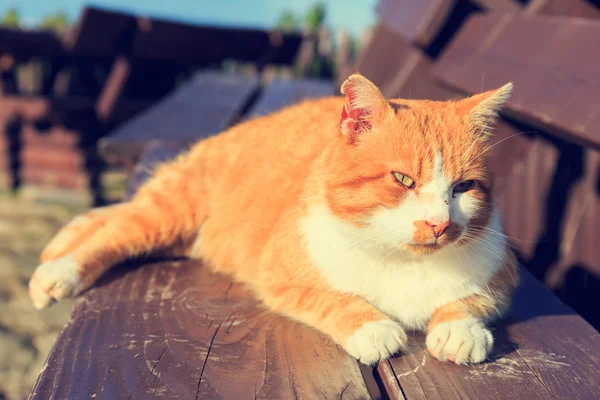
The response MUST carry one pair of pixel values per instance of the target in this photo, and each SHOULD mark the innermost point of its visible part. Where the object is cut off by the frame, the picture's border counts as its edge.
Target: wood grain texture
(201, 108)
(174, 330)
(565, 8)
(392, 67)
(515, 165)
(543, 350)
(283, 93)
(417, 21)
(550, 61)
(416, 82)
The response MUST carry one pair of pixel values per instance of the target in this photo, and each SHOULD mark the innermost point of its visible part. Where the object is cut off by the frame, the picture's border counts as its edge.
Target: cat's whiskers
(462, 252)
(487, 149)
(506, 236)
(383, 238)
(486, 245)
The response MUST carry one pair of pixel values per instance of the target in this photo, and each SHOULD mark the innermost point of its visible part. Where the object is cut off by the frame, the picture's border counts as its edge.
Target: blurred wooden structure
(172, 330)
(106, 69)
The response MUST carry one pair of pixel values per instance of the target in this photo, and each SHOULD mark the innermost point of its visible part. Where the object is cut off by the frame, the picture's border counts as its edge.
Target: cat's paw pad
(376, 341)
(464, 341)
(55, 280)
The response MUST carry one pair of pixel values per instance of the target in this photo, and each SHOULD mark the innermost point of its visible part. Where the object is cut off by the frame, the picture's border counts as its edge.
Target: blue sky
(353, 15)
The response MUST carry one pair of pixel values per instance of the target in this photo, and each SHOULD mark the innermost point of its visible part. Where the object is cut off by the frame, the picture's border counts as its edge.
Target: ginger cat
(362, 226)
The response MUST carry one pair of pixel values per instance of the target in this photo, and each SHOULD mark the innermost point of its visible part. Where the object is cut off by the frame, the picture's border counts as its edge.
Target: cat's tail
(165, 213)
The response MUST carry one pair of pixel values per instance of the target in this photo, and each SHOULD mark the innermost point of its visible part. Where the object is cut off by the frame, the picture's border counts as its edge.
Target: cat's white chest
(408, 291)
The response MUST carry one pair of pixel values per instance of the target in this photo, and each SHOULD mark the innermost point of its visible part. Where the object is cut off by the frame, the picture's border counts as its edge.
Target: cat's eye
(463, 187)
(404, 179)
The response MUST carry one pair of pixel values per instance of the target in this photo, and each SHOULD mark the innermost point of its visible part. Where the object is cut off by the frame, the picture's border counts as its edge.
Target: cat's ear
(364, 106)
(481, 110)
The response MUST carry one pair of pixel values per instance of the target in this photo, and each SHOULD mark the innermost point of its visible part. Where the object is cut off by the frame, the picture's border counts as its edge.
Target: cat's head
(413, 174)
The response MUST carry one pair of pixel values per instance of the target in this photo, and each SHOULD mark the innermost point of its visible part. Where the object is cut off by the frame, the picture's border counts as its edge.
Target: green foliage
(11, 18)
(287, 21)
(313, 20)
(315, 17)
(58, 22)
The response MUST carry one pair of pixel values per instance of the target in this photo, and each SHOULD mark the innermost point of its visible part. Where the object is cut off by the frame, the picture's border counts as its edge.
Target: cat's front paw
(55, 280)
(376, 341)
(464, 341)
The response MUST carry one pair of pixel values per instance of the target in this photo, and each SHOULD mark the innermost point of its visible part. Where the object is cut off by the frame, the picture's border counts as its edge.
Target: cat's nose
(439, 227)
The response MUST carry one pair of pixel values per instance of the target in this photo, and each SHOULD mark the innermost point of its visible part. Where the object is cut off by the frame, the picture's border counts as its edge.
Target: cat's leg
(77, 231)
(457, 330)
(166, 212)
(362, 330)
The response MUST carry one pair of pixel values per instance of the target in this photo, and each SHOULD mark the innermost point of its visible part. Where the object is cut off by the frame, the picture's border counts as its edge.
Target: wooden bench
(419, 31)
(544, 52)
(170, 329)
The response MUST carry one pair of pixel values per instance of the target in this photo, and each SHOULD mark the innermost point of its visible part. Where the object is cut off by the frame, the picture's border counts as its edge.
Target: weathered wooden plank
(174, 330)
(278, 94)
(543, 350)
(417, 21)
(550, 61)
(500, 5)
(207, 44)
(416, 82)
(113, 88)
(283, 93)
(404, 72)
(566, 8)
(202, 107)
(575, 275)
(100, 33)
(511, 151)
(391, 66)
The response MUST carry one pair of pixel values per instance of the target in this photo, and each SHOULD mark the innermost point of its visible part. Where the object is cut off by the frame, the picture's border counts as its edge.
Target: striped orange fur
(305, 205)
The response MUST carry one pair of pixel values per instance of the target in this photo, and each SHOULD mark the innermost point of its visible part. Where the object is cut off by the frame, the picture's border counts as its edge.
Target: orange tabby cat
(360, 226)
